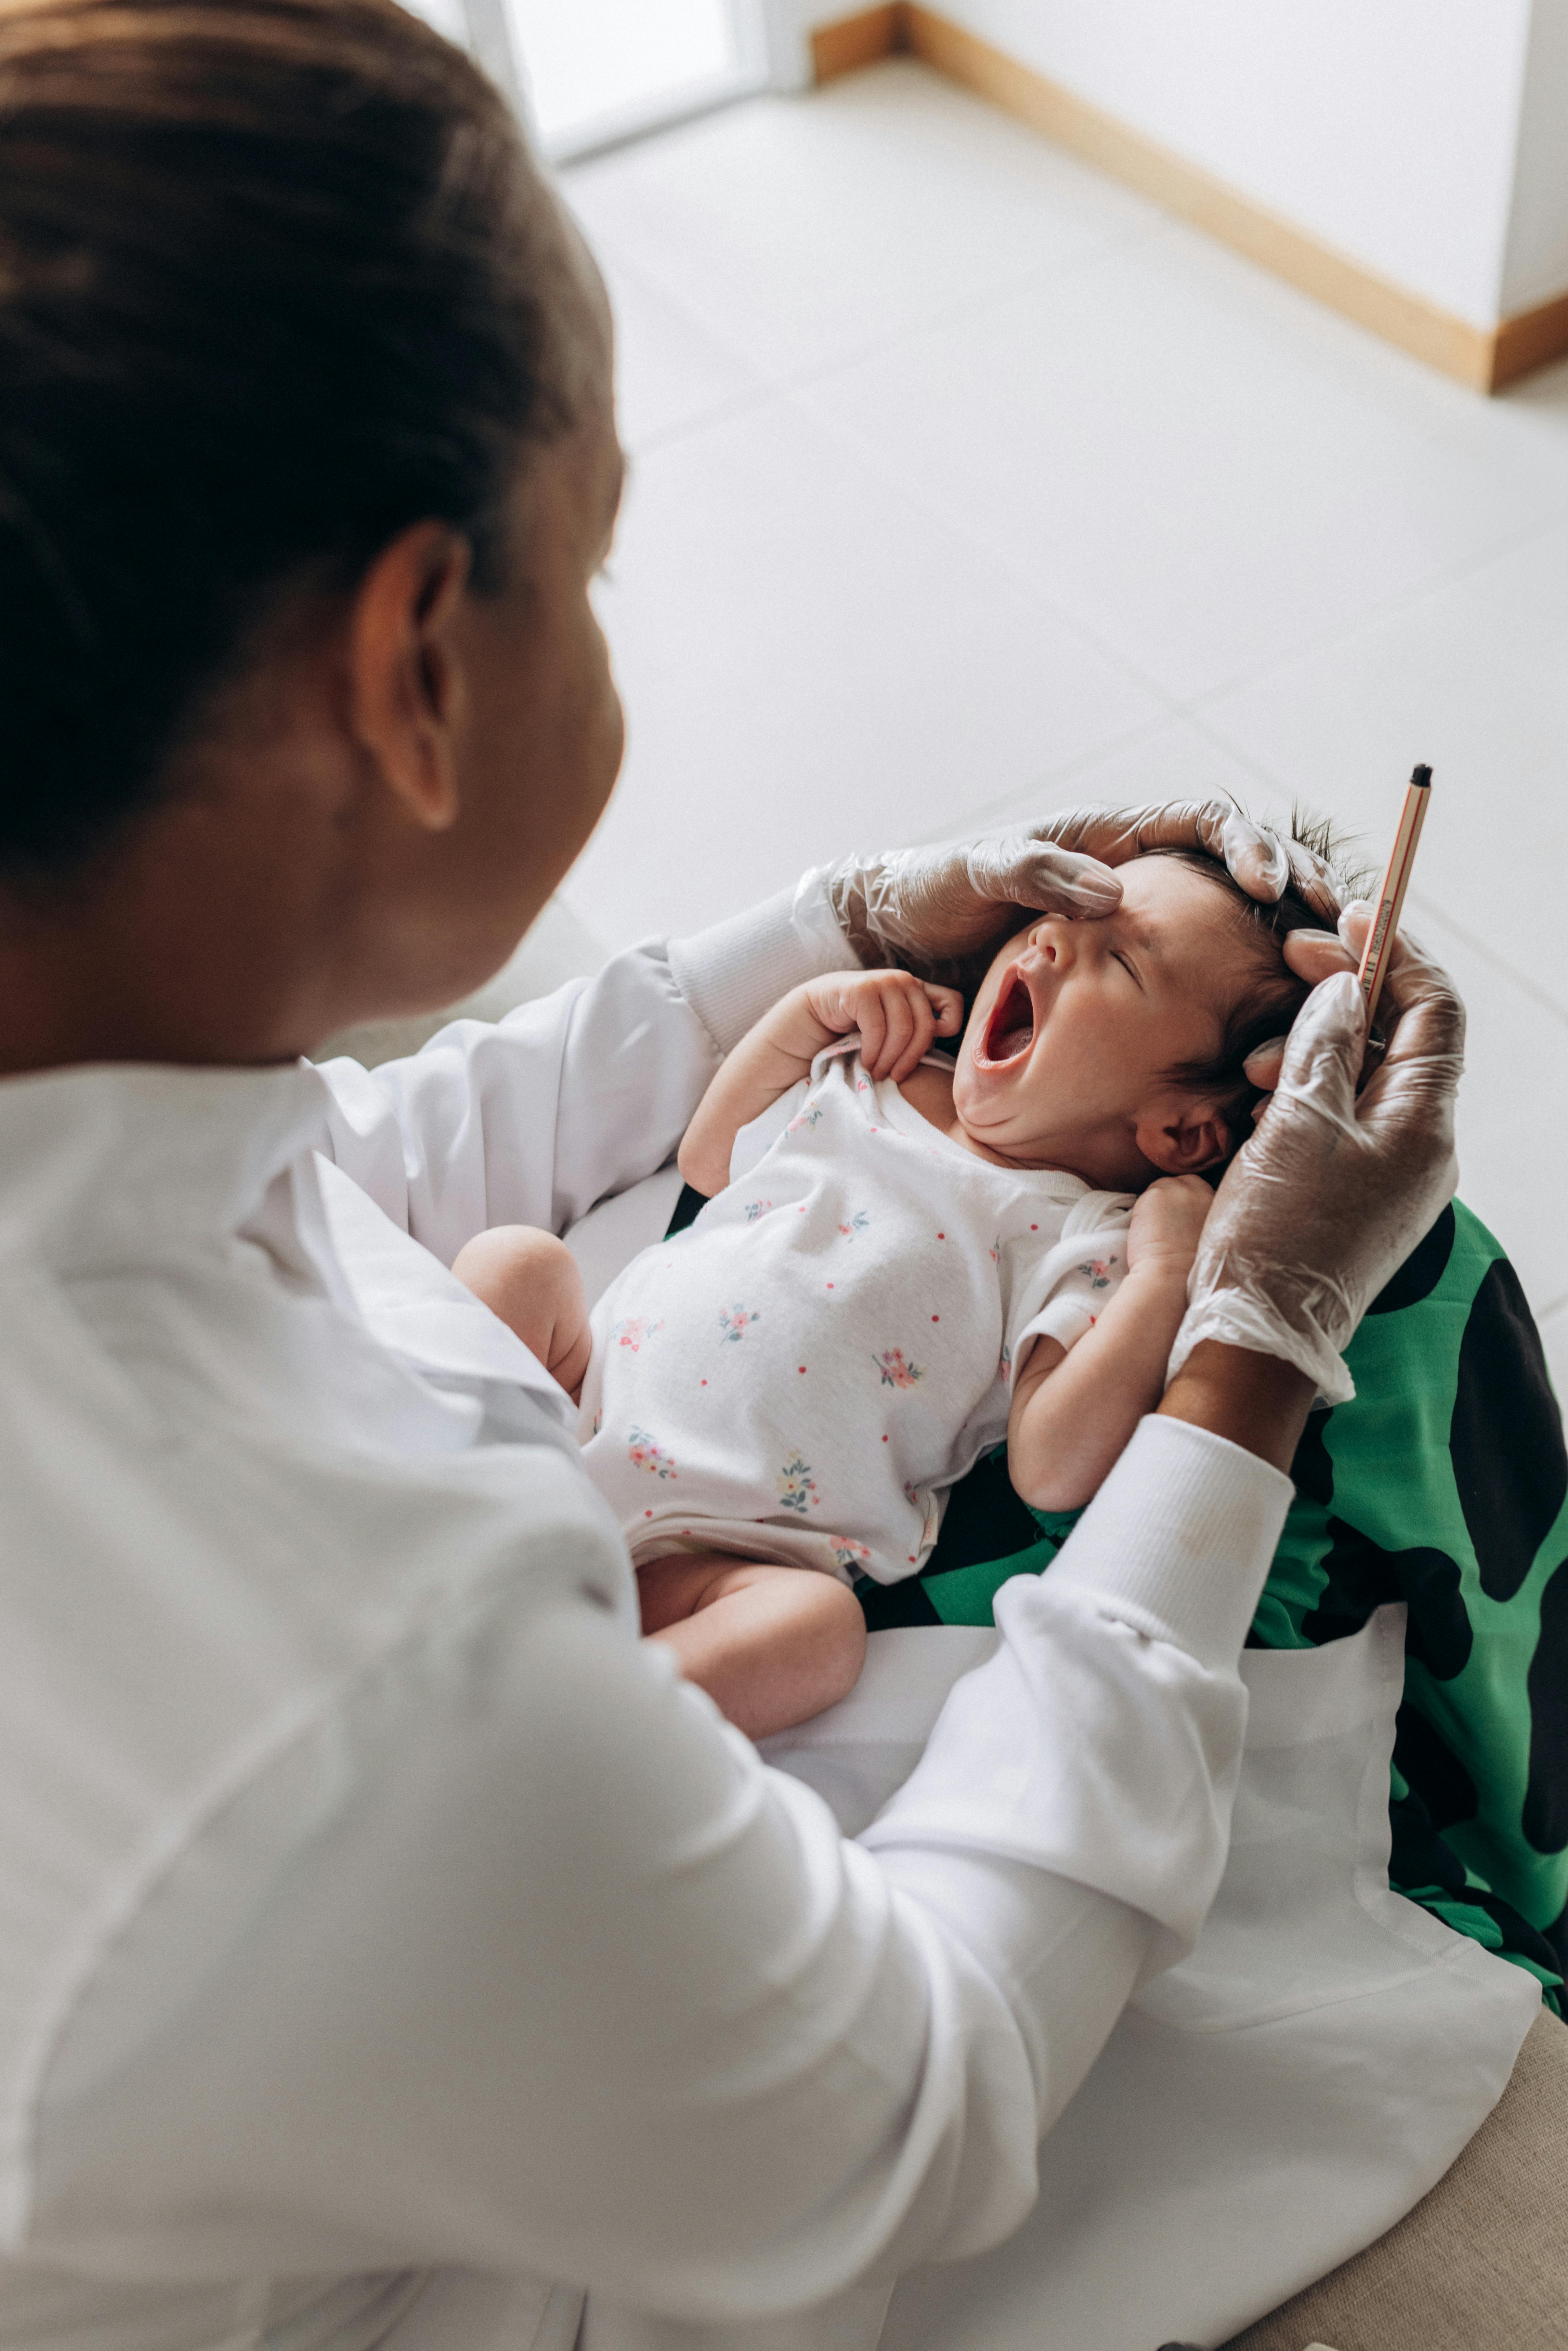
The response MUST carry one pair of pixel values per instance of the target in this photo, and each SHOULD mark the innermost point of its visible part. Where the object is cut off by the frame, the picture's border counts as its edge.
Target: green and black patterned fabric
(1443, 1483)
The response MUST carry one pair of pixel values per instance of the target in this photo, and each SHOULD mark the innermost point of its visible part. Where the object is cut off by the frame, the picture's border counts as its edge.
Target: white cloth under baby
(804, 1374)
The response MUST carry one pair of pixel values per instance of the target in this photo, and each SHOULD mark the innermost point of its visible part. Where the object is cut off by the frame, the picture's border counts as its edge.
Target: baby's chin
(1005, 1130)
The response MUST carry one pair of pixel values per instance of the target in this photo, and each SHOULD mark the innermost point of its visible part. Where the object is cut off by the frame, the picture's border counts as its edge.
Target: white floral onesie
(802, 1374)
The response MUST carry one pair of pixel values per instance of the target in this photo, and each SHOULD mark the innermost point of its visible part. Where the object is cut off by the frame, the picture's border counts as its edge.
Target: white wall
(1425, 138)
(1536, 263)
(1386, 128)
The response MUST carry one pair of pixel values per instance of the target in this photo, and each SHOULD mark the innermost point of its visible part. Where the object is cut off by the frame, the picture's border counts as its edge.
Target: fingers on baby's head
(1277, 962)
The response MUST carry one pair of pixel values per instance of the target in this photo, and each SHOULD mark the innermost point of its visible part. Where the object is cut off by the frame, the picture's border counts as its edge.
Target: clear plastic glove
(1333, 1190)
(940, 911)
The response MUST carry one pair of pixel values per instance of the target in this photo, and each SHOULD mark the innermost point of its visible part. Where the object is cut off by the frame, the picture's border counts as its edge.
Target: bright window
(598, 71)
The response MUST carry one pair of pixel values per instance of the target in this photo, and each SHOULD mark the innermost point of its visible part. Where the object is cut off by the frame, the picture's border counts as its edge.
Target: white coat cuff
(733, 971)
(1179, 1538)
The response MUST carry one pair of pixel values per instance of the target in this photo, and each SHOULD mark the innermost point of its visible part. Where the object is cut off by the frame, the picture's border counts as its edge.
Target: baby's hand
(896, 1014)
(1167, 1224)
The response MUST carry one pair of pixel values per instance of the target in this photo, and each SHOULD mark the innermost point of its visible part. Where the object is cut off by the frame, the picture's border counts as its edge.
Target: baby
(904, 1260)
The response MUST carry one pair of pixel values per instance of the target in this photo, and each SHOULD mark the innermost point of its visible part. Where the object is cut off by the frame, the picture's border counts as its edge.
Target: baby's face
(1064, 1061)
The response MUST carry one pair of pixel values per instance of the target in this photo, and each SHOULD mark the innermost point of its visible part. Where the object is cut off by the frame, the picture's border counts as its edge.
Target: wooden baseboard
(859, 40)
(1532, 340)
(1485, 358)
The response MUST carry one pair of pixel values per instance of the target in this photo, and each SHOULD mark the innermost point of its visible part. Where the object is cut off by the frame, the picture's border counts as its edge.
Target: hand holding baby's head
(1114, 1048)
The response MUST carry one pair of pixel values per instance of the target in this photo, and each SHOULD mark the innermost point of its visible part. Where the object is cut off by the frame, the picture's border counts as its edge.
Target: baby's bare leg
(772, 1645)
(530, 1280)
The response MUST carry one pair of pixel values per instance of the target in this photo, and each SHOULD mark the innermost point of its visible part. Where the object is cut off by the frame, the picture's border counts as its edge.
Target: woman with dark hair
(392, 1949)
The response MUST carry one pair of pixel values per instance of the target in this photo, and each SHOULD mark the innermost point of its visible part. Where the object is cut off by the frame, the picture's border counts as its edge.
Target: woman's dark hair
(1272, 995)
(276, 279)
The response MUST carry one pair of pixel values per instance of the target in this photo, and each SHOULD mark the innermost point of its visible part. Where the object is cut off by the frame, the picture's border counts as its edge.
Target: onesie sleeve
(1064, 1294)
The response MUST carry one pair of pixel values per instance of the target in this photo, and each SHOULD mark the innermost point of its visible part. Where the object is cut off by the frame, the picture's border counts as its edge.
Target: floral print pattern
(643, 1453)
(633, 1330)
(797, 1487)
(785, 1433)
(849, 1553)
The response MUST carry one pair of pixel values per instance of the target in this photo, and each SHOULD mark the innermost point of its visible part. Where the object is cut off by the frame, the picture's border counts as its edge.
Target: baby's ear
(1183, 1134)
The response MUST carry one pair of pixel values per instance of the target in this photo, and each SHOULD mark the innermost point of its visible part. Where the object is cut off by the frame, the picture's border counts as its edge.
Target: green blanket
(1443, 1484)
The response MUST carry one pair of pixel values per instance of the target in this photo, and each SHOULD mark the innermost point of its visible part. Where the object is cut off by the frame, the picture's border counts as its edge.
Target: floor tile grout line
(1159, 224)
(1430, 908)
(1053, 778)
(1397, 606)
(1498, 551)
(815, 379)
(980, 543)
(1203, 712)
(822, 374)
(725, 411)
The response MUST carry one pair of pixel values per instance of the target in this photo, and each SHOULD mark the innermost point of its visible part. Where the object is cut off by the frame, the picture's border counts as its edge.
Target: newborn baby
(904, 1260)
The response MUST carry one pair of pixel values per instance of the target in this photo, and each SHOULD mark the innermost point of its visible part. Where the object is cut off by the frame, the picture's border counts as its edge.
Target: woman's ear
(406, 680)
(1183, 1135)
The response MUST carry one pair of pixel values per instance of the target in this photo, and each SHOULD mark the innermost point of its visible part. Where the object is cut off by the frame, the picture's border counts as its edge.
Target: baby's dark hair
(1273, 995)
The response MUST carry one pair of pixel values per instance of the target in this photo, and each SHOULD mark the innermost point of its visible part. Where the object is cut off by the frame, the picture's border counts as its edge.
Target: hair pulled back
(276, 279)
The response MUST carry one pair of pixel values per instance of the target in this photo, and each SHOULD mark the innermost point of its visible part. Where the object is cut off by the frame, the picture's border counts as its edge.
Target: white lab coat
(392, 1947)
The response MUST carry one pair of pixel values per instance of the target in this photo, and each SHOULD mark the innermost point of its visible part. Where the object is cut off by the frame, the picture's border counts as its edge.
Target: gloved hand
(941, 911)
(1334, 1189)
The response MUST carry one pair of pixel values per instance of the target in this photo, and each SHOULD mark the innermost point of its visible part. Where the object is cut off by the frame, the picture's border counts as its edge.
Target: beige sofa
(1481, 2264)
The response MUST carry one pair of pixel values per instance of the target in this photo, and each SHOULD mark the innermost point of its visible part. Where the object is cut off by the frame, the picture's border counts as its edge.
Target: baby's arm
(896, 1014)
(1072, 1414)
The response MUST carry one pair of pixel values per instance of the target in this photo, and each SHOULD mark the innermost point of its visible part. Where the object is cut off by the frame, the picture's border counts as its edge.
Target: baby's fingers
(908, 1014)
(914, 1041)
(947, 1007)
(871, 1020)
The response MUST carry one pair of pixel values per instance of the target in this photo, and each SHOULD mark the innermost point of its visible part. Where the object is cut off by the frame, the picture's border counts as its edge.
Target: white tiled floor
(965, 484)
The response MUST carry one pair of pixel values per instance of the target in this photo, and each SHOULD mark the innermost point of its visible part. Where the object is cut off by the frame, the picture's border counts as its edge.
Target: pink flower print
(808, 1117)
(847, 1553)
(598, 1422)
(857, 1223)
(754, 1208)
(912, 1494)
(897, 1372)
(633, 1331)
(797, 1487)
(995, 1251)
(736, 1320)
(643, 1453)
(1005, 1364)
(1096, 1270)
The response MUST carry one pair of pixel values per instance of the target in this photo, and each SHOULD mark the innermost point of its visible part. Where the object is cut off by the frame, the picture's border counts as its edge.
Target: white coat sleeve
(532, 1119)
(520, 1960)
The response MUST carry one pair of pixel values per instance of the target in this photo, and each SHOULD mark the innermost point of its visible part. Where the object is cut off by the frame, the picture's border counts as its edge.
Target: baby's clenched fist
(898, 1017)
(1167, 1224)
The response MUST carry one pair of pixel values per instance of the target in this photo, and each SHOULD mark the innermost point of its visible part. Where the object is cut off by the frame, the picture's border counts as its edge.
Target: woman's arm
(532, 1119)
(897, 1016)
(507, 1953)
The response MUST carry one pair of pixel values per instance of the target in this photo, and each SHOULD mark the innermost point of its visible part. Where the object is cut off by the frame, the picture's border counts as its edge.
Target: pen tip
(1422, 779)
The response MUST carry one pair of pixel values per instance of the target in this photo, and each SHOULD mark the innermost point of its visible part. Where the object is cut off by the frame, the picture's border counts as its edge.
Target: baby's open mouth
(1010, 1031)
